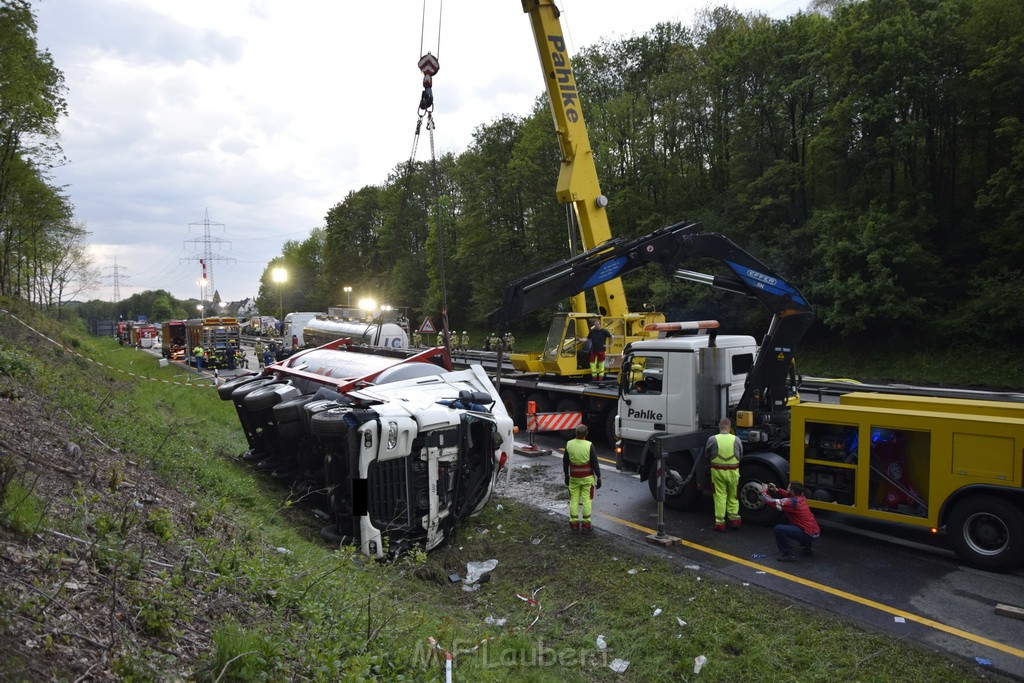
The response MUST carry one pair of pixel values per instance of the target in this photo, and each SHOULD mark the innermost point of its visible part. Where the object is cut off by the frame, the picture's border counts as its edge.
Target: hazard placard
(427, 327)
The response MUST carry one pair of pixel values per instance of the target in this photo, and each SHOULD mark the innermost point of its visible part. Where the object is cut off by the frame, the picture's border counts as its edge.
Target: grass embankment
(184, 563)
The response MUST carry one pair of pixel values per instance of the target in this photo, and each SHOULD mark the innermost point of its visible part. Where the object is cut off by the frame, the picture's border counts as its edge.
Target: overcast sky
(263, 114)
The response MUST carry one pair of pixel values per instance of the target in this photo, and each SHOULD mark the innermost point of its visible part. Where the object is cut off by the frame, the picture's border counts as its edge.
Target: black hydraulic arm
(669, 246)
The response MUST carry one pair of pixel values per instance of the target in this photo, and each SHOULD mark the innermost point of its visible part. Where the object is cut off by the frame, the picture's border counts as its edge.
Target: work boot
(587, 526)
(719, 528)
(574, 525)
(734, 524)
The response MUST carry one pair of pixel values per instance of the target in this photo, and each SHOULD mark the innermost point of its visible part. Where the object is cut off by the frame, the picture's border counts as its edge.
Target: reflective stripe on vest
(579, 458)
(726, 444)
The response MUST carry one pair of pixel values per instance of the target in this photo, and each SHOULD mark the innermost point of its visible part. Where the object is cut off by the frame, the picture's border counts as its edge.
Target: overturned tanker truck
(399, 448)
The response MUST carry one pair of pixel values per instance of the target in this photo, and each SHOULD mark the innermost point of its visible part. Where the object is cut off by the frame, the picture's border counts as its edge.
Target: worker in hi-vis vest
(724, 451)
(582, 476)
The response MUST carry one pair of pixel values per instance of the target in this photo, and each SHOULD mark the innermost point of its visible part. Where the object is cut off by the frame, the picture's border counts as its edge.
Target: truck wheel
(290, 430)
(609, 425)
(752, 508)
(568, 405)
(329, 423)
(262, 399)
(513, 407)
(677, 496)
(224, 390)
(987, 532)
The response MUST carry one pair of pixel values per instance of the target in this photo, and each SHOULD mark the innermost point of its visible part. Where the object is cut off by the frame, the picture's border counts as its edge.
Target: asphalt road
(900, 581)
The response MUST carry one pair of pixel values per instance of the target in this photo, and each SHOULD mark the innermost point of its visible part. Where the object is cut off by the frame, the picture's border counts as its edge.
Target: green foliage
(21, 510)
(161, 522)
(238, 655)
(14, 363)
(873, 154)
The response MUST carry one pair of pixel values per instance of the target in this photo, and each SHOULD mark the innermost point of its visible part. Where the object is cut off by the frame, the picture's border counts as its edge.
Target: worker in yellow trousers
(582, 476)
(724, 451)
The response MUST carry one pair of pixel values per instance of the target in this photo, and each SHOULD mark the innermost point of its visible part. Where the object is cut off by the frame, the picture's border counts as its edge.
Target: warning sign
(427, 327)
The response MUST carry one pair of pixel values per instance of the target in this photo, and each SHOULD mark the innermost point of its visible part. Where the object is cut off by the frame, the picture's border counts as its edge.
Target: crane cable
(429, 66)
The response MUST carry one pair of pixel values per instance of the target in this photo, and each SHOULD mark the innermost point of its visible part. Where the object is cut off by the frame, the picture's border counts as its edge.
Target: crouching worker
(582, 476)
(802, 527)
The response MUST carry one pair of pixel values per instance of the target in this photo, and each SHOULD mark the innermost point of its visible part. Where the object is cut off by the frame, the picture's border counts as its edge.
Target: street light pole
(348, 293)
(280, 276)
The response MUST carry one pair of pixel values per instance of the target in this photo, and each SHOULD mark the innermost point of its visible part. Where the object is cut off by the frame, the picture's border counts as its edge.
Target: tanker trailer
(323, 329)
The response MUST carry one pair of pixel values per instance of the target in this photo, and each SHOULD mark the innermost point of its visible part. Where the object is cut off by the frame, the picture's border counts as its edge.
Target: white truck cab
(678, 385)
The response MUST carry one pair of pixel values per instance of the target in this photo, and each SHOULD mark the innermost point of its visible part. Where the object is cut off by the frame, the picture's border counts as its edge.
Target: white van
(293, 324)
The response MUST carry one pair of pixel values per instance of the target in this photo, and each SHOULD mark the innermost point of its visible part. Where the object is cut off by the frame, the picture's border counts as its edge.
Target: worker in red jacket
(802, 527)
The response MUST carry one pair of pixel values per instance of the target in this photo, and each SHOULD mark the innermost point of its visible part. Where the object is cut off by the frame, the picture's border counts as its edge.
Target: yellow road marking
(882, 607)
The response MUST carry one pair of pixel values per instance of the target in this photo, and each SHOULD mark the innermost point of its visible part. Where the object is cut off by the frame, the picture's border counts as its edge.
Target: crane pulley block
(429, 65)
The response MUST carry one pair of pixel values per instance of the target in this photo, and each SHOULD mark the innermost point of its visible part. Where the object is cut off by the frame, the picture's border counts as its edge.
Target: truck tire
(224, 390)
(568, 405)
(677, 496)
(609, 425)
(515, 409)
(263, 398)
(987, 532)
(329, 423)
(752, 508)
(290, 430)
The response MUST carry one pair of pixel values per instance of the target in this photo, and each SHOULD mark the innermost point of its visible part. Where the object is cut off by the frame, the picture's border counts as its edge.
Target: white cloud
(267, 113)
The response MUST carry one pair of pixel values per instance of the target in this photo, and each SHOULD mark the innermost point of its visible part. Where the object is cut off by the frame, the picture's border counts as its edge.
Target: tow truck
(934, 463)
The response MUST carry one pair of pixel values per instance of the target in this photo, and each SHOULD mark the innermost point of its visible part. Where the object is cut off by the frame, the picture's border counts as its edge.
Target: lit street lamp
(199, 307)
(348, 293)
(280, 276)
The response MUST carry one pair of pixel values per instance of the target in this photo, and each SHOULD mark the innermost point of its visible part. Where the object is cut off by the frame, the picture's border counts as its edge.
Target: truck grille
(388, 494)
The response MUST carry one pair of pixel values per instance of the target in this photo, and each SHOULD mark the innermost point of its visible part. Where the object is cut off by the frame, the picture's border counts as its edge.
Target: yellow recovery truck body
(924, 461)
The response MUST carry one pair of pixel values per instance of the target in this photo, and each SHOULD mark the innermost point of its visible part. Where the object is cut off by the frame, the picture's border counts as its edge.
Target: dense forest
(873, 153)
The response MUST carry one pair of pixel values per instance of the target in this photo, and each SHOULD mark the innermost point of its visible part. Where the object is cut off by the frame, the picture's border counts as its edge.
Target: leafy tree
(31, 103)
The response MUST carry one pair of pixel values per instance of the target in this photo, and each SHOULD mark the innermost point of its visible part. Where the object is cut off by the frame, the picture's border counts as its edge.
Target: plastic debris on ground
(681, 622)
(493, 621)
(758, 556)
(762, 572)
(698, 663)
(601, 644)
(899, 620)
(469, 588)
(499, 507)
(631, 571)
(532, 601)
(983, 661)
(537, 541)
(693, 566)
(619, 665)
(657, 611)
(474, 570)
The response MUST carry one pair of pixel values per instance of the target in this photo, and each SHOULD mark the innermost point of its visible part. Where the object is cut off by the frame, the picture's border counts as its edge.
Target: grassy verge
(157, 554)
